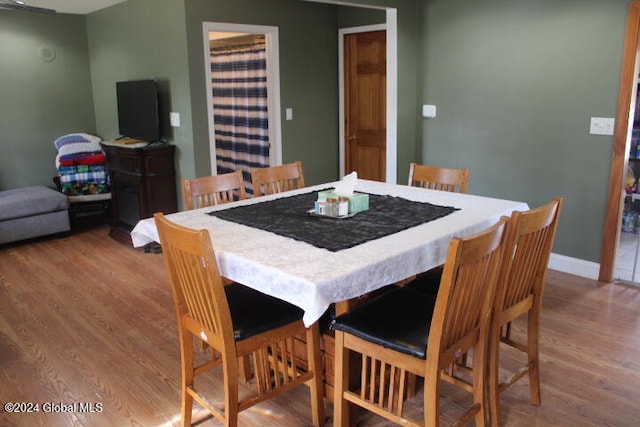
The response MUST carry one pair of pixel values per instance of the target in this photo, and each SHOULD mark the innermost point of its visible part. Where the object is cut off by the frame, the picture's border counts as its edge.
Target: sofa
(30, 212)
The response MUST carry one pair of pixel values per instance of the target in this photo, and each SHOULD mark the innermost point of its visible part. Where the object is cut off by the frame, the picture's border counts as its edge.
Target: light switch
(174, 118)
(601, 126)
(429, 111)
(289, 113)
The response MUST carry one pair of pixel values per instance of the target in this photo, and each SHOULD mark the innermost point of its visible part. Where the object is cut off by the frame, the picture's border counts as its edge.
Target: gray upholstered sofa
(30, 212)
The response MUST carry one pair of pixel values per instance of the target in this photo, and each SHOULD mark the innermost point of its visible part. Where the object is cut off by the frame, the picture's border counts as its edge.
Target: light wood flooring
(86, 320)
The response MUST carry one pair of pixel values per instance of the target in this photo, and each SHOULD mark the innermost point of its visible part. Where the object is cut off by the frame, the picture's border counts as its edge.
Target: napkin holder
(359, 202)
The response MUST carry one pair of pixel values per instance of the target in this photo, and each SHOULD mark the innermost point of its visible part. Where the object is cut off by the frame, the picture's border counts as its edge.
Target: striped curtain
(241, 125)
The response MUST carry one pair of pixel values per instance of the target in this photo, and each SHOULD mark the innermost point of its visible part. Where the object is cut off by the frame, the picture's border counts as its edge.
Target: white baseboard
(578, 267)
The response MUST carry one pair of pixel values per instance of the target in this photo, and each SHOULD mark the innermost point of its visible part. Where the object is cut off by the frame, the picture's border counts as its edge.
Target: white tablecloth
(313, 278)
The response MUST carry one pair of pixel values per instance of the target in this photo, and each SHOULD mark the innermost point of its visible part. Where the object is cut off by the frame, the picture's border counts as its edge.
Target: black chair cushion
(399, 319)
(428, 282)
(253, 312)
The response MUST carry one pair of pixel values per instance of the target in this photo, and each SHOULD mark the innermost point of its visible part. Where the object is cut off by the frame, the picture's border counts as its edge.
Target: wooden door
(366, 104)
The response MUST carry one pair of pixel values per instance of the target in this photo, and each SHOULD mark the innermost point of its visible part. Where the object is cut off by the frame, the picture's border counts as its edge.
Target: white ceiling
(78, 7)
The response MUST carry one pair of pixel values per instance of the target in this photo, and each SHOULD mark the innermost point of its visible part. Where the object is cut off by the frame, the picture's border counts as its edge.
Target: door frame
(621, 141)
(273, 85)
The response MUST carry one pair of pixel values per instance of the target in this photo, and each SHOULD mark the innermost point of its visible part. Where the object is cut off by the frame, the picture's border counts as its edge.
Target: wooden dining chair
(236, 322)
(528, 242)
(437, 178)
(276, 179)
(405, 332)
(213, 190)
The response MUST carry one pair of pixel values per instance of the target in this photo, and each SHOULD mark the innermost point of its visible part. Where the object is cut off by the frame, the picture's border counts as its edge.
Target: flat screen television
(138, 115)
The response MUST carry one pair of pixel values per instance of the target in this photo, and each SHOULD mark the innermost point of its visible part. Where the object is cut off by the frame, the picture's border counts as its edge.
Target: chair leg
(230, 380)
(533, 356)
(340, 405)
(186, 350)
(479, 383)
(315, 363)
(493, 389)
(431, 402)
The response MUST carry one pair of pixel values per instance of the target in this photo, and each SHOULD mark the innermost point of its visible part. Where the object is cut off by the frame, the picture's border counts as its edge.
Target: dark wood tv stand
(143, 181)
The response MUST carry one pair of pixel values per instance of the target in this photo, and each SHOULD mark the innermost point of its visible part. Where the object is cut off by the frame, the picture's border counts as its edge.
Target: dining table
(276, 245)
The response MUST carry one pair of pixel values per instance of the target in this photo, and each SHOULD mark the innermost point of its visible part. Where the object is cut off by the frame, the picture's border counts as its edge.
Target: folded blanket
(75, 137)
(79, 147)
(82, 188)
(95, 177)
(81, 159)
(68, 170)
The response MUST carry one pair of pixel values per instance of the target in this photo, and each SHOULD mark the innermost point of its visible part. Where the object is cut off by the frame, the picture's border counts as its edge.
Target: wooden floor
(87, 320)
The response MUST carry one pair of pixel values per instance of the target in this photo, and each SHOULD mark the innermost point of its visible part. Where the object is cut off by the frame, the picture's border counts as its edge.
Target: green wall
(358, 16)
(142, 39)
(408, 79)
(515, 85)
(308, 77)
(40, 100)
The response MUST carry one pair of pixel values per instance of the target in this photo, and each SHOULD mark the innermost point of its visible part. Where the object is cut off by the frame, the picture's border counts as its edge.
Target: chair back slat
(276, 179)
(437, 178)
(463, 304)
(191, 271)
(213, 190)
(195, 281)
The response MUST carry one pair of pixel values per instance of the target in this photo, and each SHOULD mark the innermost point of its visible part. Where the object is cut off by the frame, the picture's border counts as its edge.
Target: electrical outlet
(174, 118)
(429, 111)
(601, 126)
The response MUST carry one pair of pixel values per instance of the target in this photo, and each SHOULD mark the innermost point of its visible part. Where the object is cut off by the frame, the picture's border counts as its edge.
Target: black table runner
(289, 217)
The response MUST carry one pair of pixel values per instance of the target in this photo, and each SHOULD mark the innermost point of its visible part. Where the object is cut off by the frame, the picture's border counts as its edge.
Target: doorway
(621, 144)
(365, 82)
(391, 29)
(243, 97)
(627, 262)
